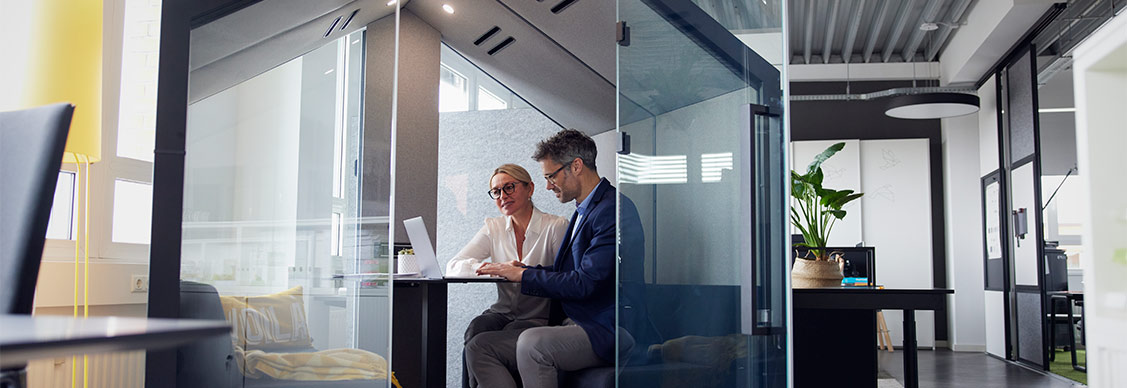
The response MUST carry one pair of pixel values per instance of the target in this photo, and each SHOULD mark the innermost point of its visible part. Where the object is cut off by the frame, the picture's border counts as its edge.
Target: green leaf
(830, 151)
(839, 214)
(840, 202)
(829, 197)
(816, 179)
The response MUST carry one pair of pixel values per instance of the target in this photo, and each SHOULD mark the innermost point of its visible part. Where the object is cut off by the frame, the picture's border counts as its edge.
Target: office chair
(31, 151)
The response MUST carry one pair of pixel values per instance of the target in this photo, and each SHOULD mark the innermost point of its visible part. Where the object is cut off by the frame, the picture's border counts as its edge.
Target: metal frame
(178, 18)
(994, 177)
(729, 50)
(1025, 52)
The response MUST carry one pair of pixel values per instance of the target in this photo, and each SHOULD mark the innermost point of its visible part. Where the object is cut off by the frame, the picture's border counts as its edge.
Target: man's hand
(512, 271)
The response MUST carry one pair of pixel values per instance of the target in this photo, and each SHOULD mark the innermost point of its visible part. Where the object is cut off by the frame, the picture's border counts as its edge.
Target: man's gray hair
(565, 146)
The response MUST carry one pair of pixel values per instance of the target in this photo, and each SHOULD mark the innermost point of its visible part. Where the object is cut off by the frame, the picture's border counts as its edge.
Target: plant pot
(813, 274)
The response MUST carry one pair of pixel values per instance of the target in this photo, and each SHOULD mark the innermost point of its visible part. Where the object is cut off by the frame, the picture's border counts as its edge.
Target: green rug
(1063, 366)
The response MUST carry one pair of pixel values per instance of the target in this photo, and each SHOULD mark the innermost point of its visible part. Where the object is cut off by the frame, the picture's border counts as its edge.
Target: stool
(1071, 328)
(883, 338)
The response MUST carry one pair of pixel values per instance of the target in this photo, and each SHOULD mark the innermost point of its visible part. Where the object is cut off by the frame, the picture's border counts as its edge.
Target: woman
(521, 233)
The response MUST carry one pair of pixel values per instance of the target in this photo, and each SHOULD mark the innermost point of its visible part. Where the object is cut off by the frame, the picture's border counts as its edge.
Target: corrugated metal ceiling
(871, 31)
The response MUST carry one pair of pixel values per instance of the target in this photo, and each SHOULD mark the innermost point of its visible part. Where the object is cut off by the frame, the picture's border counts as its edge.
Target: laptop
(424, 252)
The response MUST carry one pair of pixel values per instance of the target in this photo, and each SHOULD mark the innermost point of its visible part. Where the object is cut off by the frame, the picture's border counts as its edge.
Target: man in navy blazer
(581, 282)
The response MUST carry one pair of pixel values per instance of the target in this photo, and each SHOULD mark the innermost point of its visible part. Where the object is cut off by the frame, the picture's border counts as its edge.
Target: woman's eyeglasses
(508, 189)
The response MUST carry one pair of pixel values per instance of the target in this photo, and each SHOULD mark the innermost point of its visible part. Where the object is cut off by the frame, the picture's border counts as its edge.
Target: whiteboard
(896, 218)
(842, 172)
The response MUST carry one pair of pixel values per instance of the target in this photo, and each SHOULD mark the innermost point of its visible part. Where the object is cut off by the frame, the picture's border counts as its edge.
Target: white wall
(963, 213)
(607, 145)
(993, 307)
(987, 128)
(995, 323)
(1100, 72)
(896, 219)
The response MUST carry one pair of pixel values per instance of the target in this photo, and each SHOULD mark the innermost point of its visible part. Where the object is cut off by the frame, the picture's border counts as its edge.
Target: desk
(25, 338)
(419, 330)
(834, 326)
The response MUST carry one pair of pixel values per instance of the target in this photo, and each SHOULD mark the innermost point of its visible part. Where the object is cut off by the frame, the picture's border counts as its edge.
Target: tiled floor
(944, 368)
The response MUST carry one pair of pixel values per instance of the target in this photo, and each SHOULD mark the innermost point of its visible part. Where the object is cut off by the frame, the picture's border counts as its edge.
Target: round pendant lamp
(932, 105)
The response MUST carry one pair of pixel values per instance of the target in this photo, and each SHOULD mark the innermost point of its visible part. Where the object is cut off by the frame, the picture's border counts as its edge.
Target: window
(489, 101)
(139, 62)
(464, 87)
(452, 91)
(1068, 207)
(335, 240)
(61, 226)
(132, 212)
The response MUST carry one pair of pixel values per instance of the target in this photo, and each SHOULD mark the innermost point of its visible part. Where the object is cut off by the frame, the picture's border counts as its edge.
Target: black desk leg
(911, 365)
(434, 335)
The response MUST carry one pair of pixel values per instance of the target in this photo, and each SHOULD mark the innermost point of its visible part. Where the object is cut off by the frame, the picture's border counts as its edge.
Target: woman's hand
(511, 271)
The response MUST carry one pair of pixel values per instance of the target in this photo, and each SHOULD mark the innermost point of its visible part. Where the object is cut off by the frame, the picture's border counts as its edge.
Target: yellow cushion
(268, 321)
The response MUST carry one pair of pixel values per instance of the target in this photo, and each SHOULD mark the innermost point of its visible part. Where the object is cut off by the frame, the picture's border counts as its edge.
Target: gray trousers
(537, 353)
(491, 322)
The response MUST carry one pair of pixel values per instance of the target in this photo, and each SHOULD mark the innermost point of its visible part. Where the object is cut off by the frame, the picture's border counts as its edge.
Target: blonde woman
(522, 233)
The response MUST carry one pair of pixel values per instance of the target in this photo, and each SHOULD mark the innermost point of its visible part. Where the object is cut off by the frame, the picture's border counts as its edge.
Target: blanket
(324, 365)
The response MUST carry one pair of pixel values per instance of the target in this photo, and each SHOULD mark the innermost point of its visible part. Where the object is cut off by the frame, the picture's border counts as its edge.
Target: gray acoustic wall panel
(1029, 327)
(416, 171)
(1022, 113)
(472, 144)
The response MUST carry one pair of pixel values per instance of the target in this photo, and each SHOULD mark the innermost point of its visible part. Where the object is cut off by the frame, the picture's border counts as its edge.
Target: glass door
(287, 198)
(703, 295)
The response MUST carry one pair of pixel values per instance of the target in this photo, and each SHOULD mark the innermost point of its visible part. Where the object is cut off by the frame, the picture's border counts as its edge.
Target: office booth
(293, 138)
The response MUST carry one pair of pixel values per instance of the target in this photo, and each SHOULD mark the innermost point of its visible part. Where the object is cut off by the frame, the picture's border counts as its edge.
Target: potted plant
(814, 211)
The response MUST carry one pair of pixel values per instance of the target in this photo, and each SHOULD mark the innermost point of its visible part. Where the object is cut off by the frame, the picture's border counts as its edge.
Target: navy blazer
(582, 279)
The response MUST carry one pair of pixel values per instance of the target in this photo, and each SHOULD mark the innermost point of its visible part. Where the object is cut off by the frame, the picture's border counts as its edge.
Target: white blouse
(497, 241)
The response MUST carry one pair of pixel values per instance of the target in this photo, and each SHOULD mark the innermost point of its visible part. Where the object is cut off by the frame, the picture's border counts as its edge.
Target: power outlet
(139, 283)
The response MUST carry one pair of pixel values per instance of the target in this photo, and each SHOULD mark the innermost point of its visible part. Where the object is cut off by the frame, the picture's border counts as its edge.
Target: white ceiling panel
(534, 66)
(585, 28)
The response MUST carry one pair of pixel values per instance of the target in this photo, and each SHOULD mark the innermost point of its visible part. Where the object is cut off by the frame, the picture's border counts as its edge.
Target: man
(581, 282)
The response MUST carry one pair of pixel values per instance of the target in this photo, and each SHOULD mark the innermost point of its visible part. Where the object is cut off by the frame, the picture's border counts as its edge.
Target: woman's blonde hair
(515, 171)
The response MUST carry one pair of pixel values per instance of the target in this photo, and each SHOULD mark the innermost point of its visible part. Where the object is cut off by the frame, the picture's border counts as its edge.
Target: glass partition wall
(285, 230)
(702, 257)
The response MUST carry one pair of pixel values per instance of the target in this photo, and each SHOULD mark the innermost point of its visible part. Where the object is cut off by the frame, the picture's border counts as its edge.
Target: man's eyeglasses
(508, 189)
(551, 178)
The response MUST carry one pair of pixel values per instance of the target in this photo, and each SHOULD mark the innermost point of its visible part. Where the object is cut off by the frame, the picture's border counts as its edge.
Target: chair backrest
(32, 142)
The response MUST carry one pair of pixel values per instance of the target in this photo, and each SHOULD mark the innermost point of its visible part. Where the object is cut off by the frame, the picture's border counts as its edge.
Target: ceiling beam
(809, 35)
(953, 18)
(896, 31)
(874, 29)
(831, 24)
(896, 71)
(851, 33)
(931, 10)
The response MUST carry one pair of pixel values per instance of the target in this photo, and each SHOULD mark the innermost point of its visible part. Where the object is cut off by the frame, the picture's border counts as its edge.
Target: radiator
(108, 370)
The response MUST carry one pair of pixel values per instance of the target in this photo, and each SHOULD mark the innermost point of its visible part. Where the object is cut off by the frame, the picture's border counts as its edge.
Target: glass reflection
(272, 218)
(702, 270)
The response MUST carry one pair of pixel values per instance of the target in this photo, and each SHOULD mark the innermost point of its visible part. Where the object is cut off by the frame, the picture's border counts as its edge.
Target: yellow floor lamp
(65, 65)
